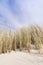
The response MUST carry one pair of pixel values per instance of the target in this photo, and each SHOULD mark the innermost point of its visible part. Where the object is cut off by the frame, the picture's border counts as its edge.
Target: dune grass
(22, 39)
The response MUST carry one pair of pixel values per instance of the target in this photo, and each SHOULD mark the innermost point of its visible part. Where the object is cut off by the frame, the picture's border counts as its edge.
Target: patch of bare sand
(21, 58)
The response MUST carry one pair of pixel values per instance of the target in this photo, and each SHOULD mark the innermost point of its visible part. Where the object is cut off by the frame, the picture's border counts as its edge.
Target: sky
(18, 13)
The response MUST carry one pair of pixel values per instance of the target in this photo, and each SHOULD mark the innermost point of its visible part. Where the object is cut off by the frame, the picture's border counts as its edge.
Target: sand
(21, 58)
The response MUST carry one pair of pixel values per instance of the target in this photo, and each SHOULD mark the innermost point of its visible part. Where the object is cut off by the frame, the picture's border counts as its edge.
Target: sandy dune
(21, 58)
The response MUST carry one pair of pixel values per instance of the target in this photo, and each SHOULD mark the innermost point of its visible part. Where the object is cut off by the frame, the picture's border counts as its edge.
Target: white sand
(21, 58)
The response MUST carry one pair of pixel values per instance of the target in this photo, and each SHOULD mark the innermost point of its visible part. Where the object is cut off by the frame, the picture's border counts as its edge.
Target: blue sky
(18, 13)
